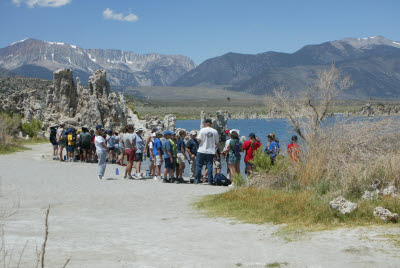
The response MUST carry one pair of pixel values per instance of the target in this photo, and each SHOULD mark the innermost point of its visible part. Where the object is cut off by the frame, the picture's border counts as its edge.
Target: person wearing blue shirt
(168, 158)
(158, 153)
(273, 149)
(182, 158)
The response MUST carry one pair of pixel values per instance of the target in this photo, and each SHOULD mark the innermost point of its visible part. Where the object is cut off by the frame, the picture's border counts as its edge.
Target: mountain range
(373, 65)
(36, 58)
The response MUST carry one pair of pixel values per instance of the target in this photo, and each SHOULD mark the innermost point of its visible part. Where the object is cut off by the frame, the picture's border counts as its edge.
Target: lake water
(261, 127)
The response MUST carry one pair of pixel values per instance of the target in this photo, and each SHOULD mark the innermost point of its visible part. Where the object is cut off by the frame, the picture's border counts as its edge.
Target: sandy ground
(122, 223)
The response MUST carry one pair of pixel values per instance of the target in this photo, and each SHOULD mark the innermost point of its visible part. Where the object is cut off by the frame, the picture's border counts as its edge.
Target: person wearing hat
(110, 142)
(272, 149)
(158, 154)
(234, 148)
(191, 148)
(139, 144)
(71, 145)
(250, 147)
(101, 151)
(84, 138)
(225, 153)
(293, 149)
(61, 140)
(181, 154)
(168, 157)
(208, 142)
(127, 141)
(150, 146)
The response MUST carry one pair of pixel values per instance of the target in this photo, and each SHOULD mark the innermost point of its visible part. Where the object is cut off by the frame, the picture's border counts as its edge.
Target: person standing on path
(85, 144)
(182, 158)
(148, 150)
(208, 142)
(101, 151)
(234, 148)
(130, 149)
(61, 140)
(158, 155)
(168, 157)
(53, 140)
(191, 148)
(120, 160)
(139, 144)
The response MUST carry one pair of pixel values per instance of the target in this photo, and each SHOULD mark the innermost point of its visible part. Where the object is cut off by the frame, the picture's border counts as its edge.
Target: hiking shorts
(62, 142)
(234, 159)
(130, 155)
(139, 157)
(70, 148)
(181, 158)
(85, 146)
(217, 164)
(169, 164)
(158, 160)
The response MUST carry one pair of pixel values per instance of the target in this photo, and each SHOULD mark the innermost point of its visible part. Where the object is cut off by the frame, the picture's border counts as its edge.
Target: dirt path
(121, 223)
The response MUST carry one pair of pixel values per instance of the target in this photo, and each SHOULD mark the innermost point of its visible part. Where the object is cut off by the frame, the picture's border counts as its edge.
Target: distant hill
(372, 63)
(39, 59)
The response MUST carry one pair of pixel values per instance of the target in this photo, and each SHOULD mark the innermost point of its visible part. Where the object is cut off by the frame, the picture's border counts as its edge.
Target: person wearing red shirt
(250, 147)
(294, 149)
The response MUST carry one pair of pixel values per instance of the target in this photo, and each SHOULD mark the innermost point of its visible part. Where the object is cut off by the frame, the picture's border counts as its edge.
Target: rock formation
(342, 206)
(385, 214)
(379, 110)
(79, 106)
(220, 123)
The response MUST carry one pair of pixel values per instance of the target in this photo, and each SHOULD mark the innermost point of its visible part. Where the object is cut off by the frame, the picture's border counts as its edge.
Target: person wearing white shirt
(101, 151)
(208, 139)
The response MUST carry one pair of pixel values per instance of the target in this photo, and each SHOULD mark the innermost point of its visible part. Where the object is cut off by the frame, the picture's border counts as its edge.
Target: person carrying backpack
(234, 148)
(250, 147)
(53, 140)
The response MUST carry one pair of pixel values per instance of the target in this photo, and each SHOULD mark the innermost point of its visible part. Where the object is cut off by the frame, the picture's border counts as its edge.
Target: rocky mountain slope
(372, 63)
(36, 58)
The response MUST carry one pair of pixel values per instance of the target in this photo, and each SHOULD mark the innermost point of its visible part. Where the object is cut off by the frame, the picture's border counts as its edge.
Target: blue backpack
(221, 180)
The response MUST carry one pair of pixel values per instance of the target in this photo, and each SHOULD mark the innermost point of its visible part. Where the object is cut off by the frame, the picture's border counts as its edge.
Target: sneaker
(130, 177)
(139, 176)
(155, 178)
(177, 181)
(165, 180)
(125, 177)
(100, 177)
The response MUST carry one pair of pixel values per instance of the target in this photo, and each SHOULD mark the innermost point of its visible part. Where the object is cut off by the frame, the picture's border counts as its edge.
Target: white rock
(370, 195)
(342, 205)
(385, 214)
(390, 191)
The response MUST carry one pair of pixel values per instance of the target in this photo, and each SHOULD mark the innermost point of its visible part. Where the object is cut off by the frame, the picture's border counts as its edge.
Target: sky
(198, 29)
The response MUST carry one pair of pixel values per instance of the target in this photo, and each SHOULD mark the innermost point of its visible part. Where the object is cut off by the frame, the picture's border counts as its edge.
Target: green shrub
(238, 180)
(32, 128)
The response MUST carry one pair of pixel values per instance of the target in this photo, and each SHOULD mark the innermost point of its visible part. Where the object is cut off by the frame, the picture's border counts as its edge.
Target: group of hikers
(168, 148)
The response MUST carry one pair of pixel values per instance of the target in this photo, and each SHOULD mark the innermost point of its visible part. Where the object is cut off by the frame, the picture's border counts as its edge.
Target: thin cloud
(109, 14)
(42, 3)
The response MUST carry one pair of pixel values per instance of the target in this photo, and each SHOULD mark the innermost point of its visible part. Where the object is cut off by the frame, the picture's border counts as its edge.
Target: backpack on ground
(221, 180)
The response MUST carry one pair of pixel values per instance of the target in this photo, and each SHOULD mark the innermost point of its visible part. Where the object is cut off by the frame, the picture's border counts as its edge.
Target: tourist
(234, 148)
(191, 148)
(139, 144)
(148, 151)
(61, 140)
(101, 151)
(272, 150)
(110, 140)
(130, 149)
(168, 157)
(175, 162)
(92, 146)
(293, 149)
(120, 160)
(181, 156)
(158, 154)
(150, 146)
(78, 147)
(53, 140)
(274, 138)
(208, 142)
(250, 147)
(71, 145)
(84, 137)
(225, 153)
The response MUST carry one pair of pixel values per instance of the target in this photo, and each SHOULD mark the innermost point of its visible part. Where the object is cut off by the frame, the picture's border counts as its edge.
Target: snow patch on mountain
(20, 41)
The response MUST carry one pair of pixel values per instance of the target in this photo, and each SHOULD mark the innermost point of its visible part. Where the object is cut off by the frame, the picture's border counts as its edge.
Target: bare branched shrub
(8, 126)
(338, 155)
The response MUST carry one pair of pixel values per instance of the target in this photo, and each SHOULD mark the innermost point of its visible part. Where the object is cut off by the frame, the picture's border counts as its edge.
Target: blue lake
(261, 127)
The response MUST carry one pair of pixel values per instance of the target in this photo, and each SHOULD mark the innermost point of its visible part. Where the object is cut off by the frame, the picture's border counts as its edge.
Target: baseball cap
(158, 132)
(227, 131)
(193, 132)
(99, 127)
(252, 135)
(234, 130)
(208, 121)
(140, 129)
(154, 129)
(167, 132)
(153, 134)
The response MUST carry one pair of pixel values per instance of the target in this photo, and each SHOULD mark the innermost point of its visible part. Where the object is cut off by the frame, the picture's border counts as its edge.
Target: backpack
(221, 180)
(236, 148)
(53, 134)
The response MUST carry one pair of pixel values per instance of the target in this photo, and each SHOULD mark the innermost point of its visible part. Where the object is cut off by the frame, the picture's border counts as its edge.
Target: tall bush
(32, 128)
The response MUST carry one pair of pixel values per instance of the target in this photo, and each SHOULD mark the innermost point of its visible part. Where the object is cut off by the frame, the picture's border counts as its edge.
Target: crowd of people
(166, 148)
